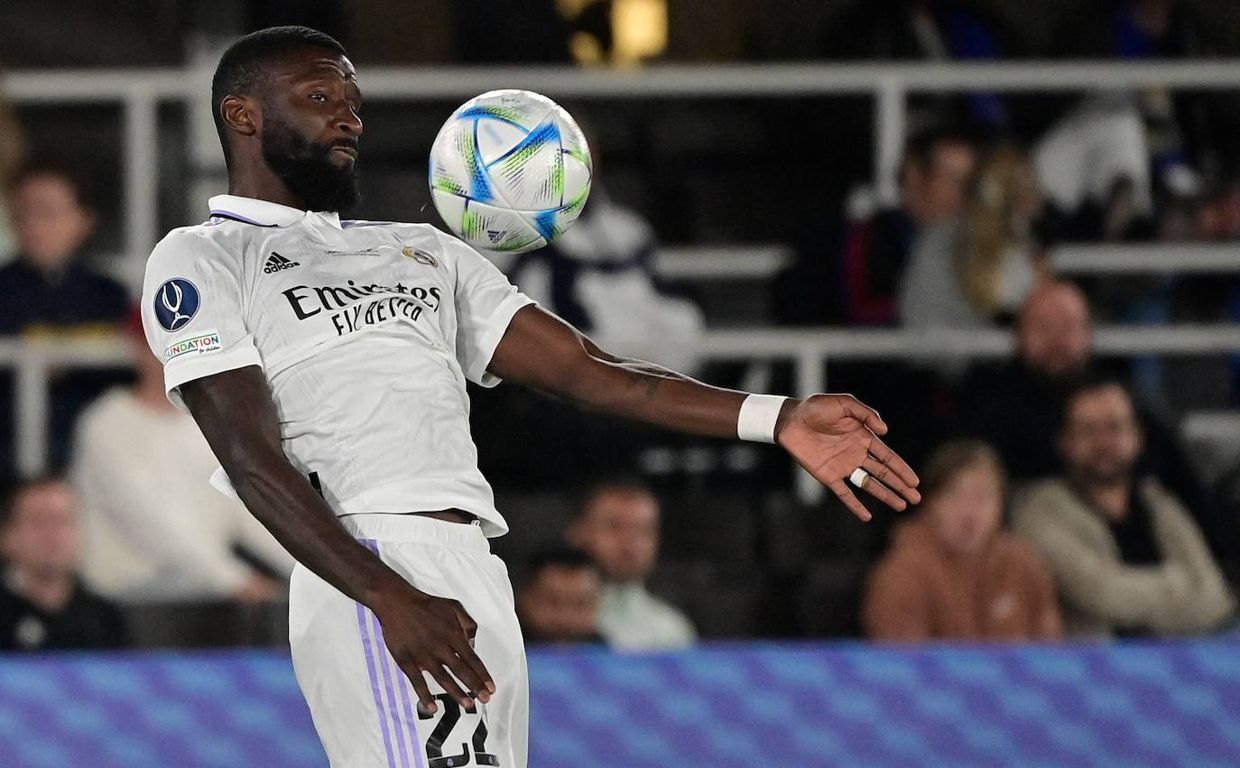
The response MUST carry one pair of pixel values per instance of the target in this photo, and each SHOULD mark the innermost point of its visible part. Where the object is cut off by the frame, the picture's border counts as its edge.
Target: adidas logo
(276, 262)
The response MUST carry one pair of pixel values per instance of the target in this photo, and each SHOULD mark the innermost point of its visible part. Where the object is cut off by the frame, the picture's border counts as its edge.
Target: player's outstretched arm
(831, 436)
(424, 633)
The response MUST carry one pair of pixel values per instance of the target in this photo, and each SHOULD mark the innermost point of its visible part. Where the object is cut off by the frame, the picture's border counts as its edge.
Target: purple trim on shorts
(401, 684)
(362, 625)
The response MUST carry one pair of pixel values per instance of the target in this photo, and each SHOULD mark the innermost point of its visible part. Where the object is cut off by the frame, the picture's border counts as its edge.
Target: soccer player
(326, 362)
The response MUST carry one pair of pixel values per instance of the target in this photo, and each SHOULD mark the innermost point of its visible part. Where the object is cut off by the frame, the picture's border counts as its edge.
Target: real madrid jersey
(366, 332)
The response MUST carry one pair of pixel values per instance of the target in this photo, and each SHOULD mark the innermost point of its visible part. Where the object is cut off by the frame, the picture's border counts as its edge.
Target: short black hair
(597, 486)
(1085, 383)
(556, 556)
(921, 145)
(54, 168)
(242, 67)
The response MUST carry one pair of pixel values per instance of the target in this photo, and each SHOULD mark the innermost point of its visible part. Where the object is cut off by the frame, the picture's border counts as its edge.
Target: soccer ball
(510, 171)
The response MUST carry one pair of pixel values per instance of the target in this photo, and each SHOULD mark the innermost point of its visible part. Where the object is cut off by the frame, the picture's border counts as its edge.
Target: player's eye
(319, 96)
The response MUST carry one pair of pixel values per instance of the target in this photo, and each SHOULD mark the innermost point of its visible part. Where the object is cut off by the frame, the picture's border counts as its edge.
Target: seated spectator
(1014, 405)
(43, 603)
(1125, 554)
(558, 600)
(1151, 139)
(874, 246)
(618, 525)
(48, 290)
(977, 271)
(952, 573)
(48, 287)
(599, 276)
(156, 529)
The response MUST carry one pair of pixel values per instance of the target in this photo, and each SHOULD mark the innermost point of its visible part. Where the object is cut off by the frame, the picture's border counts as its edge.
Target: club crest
(419, 255)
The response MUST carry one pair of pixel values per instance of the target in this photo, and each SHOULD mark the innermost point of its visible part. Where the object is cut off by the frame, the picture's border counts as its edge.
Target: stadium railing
(140, 92)
(810, 350)
(737, 261)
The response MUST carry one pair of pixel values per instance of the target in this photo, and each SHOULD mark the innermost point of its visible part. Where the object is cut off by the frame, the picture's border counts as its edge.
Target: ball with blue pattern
(510, 171)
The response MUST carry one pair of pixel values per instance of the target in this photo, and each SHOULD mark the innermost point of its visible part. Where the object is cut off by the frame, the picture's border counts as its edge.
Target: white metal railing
(1146, 258)
(808, 349)
(760, 261)
(140, 91)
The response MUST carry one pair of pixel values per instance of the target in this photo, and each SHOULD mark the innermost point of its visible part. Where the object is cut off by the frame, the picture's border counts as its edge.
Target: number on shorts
(443, 729)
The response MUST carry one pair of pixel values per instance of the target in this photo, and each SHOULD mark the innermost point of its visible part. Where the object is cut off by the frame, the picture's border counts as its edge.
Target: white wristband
(756, 421)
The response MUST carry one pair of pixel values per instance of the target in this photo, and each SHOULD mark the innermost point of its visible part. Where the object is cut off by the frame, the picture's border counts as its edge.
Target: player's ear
(239, 115)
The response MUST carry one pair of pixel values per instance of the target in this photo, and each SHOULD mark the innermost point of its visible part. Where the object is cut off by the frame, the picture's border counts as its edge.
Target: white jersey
(366, 332)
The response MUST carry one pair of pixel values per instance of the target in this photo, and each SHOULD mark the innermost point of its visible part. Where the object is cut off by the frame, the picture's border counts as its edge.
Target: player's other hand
(433, 635)
(833, 435)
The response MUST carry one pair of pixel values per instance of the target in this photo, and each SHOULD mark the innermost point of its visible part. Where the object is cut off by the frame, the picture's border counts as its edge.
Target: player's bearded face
(306, 167)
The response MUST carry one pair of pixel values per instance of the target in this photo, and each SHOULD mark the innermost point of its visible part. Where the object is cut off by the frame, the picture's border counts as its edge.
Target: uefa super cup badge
(419, 255)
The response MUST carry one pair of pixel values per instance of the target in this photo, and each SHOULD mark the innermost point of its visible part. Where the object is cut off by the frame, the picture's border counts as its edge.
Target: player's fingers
(865, 414)
(468, 625)
(426, 702)
(852, 502)
(451, 687)
(888, 477)
(880, 451)
(884, 494)
(471, 675)
(481, 679)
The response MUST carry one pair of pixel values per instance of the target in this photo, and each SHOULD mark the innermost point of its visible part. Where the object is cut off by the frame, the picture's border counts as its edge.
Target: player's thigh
(497, 734)
(347, 677)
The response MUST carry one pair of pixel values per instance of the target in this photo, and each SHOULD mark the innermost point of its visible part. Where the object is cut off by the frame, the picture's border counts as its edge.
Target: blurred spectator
(599, 276)
(1177, 136)
(1014, 406)
(43, 603)
(977, 271)
(558, 601)
(935, 174)
(951, 572)
(47, 287)
(618, 525)
(47, 290)
(1125, 554)
(1120, 164)
(155, 528)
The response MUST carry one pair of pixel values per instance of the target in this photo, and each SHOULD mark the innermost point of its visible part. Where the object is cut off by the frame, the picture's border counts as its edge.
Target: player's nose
(348, 122)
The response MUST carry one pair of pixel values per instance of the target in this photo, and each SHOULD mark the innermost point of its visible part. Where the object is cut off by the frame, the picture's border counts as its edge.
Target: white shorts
(363, 706)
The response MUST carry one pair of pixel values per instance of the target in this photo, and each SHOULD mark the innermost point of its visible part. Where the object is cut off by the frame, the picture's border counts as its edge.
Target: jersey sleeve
(485, 305)
(192, 311)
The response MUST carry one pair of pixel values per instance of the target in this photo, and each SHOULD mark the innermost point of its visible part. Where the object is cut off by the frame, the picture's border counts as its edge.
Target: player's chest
(321, 290)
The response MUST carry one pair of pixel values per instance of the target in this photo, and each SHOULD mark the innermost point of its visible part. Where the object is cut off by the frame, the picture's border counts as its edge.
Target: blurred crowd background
(1068, 493)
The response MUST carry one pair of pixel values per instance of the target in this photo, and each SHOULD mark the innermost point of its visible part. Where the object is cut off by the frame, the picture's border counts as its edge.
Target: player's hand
(833, 435)
(434, 636)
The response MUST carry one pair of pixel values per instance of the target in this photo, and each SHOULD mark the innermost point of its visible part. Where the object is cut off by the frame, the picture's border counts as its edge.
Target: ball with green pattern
(510, 171)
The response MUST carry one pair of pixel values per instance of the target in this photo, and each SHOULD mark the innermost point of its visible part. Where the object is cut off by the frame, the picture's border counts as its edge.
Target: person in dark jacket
(43, 603)
(47, 291)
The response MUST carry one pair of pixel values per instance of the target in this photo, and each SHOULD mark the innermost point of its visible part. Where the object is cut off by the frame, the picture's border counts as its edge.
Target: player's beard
(307, 171)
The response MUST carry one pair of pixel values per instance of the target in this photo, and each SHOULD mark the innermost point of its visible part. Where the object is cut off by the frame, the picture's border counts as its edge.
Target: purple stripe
(393, 708)
(374, 683)
(237, 217)
(402, 684)
(407, 703)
